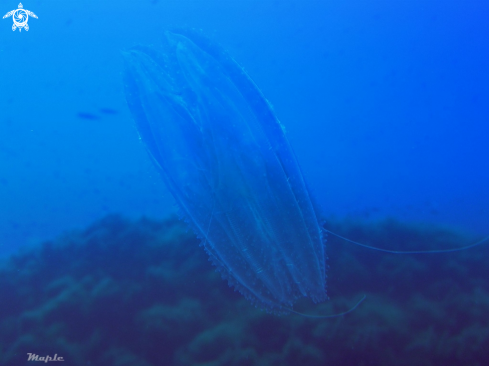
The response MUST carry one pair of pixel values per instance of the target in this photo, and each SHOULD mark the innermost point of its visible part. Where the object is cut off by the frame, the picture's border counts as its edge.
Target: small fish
(85, 115)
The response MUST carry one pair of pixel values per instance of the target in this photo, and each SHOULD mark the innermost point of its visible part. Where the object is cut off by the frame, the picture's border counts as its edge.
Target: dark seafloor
(143, 293)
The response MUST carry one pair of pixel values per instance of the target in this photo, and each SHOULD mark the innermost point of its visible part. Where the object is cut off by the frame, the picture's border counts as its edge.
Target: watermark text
(46, 359)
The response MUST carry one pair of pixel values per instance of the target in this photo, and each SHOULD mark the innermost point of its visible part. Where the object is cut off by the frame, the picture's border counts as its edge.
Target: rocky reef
(144, 293)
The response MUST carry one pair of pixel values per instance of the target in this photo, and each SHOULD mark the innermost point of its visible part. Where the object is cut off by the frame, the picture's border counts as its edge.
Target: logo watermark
(20, 17)
(46, 359)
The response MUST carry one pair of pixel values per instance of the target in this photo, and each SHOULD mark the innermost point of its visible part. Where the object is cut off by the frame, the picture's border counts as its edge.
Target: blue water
(384, 104)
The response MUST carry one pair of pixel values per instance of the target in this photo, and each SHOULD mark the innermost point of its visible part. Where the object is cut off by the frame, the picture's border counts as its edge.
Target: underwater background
(385, 106)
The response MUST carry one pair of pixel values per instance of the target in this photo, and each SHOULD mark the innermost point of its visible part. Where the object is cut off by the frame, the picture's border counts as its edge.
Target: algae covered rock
(144, 293)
